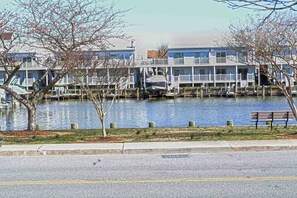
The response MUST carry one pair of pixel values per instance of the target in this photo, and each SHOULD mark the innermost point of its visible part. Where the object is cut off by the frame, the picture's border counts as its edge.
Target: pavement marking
(173, 180)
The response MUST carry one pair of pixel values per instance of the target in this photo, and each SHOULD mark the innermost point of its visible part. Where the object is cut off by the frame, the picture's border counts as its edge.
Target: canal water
(137, 113)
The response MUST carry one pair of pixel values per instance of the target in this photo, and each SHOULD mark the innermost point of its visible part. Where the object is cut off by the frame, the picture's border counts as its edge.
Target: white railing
(185, 78)
(225, 77)
(93, 80)
(201, 60)
(154, 62)
(178, 61)
(189, 61)
(203, 77)
(120, 62)
(221, 59)
(30, 65)
(132, 80)
(251, 77)
(210, 78)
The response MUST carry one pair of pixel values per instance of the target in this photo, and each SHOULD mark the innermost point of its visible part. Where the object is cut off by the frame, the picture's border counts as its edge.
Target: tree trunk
(292, 105)
(104, 134)
(31, 118)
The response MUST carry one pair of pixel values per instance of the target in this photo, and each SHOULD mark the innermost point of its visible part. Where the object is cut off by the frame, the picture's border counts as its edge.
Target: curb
(148, 148)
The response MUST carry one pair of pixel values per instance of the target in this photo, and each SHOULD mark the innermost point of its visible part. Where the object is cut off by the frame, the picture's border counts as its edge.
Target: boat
(156, 86)
(171, 95)
(230, 91)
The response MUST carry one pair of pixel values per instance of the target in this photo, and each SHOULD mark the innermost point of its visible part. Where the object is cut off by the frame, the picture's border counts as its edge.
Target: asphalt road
(256, 174)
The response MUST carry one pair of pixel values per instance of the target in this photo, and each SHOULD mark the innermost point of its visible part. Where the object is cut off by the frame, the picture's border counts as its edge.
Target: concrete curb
(175, 147)
(147, 148)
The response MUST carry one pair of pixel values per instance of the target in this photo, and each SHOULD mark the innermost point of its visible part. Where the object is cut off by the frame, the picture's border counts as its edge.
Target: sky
(178, 23)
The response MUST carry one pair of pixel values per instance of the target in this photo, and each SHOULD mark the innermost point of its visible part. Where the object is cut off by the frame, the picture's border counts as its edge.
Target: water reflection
(136, 114)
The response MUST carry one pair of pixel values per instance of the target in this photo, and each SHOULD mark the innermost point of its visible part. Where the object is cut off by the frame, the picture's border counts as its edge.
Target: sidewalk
(147, 147)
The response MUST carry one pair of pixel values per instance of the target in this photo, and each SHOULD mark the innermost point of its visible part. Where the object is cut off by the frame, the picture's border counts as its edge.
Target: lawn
(149, 135)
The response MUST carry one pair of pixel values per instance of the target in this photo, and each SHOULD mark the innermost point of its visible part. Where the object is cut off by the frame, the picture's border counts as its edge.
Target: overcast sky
(176, 22)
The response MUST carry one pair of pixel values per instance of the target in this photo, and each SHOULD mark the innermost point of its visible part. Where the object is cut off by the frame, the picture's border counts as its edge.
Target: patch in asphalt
(180, 155)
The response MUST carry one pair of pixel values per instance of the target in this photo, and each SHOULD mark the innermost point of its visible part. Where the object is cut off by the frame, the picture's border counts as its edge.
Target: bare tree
(60, 29)
(262, 5)
(271, 5)
(272, 46)
(162, 50)
(102, 78)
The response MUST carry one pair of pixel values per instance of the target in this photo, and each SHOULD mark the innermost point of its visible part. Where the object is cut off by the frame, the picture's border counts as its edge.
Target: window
(27, 59)
(201, 57)
(242, 56)
(178, 55)
(178, 72)
(202, 71)
(221, 57)
(178, 58)
(30, 75)
(243, 73)
(221, 71)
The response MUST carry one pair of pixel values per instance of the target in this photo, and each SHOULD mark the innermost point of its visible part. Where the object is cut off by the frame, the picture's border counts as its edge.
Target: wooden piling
(192, 124)
(74, 126)
(152, 125)
(112, 125)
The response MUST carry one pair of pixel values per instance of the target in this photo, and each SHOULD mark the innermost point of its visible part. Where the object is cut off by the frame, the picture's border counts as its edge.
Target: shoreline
(198, 92)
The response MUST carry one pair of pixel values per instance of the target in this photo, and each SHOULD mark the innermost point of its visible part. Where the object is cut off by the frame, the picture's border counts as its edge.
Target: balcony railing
(178, 61)
(30, 65)
(203, 77)
(189, 61)
(154, 62)
(225, 77)
(221, 60)
(251, 77)
(210, 78)
(201, 60)
(93, 80)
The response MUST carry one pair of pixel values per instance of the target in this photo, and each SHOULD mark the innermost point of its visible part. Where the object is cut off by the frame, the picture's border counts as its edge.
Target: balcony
(201, 60)
(154, 62)
(178, 61)
(98, 80)
(225, 77)
(189, 61)
(221, 60)
(210, 78)
(30, 65)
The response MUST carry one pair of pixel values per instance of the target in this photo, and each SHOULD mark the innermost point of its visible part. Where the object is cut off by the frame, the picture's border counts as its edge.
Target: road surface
(255, 174)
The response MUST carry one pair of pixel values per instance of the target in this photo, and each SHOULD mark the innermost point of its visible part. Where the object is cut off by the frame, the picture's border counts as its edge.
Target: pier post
(201, 92)
(192, 124)
(229, 122)
(152, 125)
(197, 92)
(37, 127)
(74, 126)
(137, 93)
(263, 91)
(112, 125)
(270, 90)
